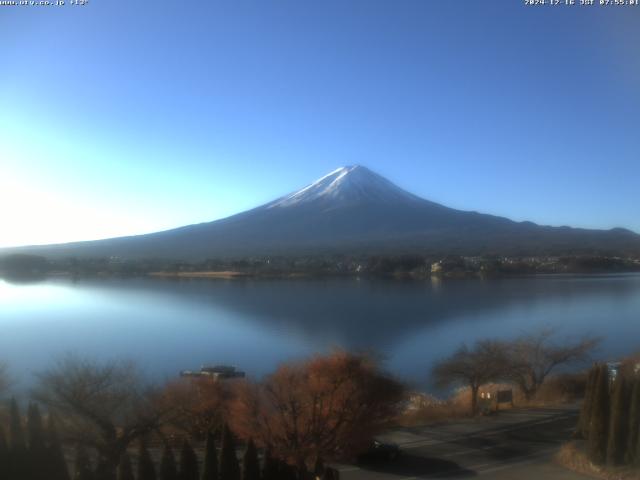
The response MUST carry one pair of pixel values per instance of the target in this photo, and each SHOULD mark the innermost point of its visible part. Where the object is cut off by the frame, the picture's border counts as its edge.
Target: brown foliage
(561, 388)
(630, 366)
(329, 407)
(572, 455)
(423, 409)
(197, 406)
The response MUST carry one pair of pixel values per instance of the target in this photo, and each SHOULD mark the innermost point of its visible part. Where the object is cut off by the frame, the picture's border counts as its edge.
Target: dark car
(379, 451)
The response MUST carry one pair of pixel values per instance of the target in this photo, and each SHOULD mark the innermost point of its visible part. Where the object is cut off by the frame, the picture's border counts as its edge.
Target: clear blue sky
(132, 116)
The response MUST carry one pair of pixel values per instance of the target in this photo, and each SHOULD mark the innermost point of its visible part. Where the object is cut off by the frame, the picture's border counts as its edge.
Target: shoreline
(227, 274)
(238, 275)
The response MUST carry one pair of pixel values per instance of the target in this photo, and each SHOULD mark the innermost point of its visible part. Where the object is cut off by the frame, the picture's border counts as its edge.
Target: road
(513, 444)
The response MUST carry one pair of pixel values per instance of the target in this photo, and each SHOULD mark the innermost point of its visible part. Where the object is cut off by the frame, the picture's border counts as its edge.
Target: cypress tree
(168, 468)
(146, 470)
(318, 468)
(637, 456)
(35, 431)
(210, 468)
(634, 423)
(250, 463)
(18, 462)
(331, 474)
(105, 470)
(301, 472)
(229, 467)
(599, 423)
(285, 471)
(82, 470)
(37, 445)
(619, 422)
(188, 462)
(125, 470)
(269, 466)
(4, 455)
(15, 428)
(56, 462)
(585, 411)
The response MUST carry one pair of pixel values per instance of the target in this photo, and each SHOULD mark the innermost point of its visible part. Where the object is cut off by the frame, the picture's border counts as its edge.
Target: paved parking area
(513, 444)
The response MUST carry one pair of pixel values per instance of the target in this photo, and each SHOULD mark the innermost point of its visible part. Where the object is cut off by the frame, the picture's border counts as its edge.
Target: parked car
(379, 451)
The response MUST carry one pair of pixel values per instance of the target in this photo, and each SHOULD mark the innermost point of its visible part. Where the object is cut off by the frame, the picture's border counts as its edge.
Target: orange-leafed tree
(327, 407)
(197, 405)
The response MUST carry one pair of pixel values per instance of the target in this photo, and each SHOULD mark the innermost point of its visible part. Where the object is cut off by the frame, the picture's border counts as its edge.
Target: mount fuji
(353, 210)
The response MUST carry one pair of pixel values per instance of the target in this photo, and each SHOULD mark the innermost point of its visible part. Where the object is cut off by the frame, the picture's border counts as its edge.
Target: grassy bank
(573, 456)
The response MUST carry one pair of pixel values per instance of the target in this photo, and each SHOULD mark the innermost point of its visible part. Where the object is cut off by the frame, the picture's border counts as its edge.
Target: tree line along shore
(409, 265)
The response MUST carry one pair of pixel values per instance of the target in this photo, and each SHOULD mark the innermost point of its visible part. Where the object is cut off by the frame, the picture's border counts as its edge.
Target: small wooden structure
(504, 396)
(490, 401)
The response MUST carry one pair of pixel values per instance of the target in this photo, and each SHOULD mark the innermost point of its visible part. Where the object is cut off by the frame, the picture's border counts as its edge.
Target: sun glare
(32, 214)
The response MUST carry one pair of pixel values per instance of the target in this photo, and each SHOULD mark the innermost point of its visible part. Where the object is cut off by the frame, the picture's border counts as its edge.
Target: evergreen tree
(82, 470)
(125, 470)
(16, 432)
(56, 462)
(585, 411)
(331, 474)
(38, 457)
(188, 462)
(105, 470)
(250, 463)
(599, 423)
(146, 470)
(35, 431)
(18, 461)
(285, 471)
(634, 424)
(637, 456)
(318, 468)
(210, 468)
(229, 467)
(269, 466)
(301, 472)
(4, 455)
(168, 468)
(619, 422)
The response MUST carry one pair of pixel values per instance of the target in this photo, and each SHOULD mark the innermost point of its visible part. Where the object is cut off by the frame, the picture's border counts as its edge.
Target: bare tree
(534, 356)
(327, 407)
(473, 367)
(102, 406)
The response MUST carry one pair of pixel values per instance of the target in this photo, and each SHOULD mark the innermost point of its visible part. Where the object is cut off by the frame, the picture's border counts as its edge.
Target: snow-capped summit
(350, 184)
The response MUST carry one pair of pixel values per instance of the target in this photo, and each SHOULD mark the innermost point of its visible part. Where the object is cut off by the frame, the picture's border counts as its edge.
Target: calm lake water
(169, 325)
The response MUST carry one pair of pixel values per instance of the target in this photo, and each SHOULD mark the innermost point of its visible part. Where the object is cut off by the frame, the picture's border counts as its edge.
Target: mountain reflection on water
(169, 325)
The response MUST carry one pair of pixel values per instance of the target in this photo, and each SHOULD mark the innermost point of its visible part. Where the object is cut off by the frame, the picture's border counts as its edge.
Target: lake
(170, 325)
